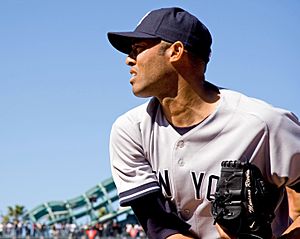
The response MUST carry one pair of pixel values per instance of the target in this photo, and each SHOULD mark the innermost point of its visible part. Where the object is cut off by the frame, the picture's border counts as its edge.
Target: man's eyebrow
(139, 44)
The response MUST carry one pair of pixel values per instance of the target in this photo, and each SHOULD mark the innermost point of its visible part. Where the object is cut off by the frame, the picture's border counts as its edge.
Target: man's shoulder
(261, 110)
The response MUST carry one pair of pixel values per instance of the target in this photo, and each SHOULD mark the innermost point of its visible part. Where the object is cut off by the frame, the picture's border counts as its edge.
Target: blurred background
(62, 85)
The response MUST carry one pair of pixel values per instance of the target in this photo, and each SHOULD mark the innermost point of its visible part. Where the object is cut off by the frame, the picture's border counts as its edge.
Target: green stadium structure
(99, 203)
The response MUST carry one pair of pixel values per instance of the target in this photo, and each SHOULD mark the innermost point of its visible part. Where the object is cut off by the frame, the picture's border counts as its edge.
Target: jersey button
(181, 162)
(180, 144)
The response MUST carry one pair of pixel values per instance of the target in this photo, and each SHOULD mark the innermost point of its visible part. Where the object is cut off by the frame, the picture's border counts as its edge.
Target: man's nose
(130, 61)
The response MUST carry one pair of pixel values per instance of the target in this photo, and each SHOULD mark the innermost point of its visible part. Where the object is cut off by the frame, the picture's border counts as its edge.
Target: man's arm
(179, 236)
(158, 217)
(294, 203)
(294, 211)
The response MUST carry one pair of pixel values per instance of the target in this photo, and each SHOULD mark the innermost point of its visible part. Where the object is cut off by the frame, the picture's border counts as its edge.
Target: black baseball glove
(244, 204)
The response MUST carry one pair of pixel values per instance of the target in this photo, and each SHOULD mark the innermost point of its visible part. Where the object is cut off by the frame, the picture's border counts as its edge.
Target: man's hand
(179, 236)
(293, 234)
(294, 203)
(223, 235)
(294, 212)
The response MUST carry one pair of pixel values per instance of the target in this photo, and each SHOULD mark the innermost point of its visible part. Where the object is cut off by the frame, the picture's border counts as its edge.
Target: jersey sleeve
(284, 146)
(159, 218)
(131, 171)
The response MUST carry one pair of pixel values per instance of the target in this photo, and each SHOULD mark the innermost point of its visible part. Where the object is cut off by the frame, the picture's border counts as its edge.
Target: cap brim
(122, 41)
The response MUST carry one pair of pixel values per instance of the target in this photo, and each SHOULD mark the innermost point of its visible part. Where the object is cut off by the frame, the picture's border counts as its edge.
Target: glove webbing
(242, 204)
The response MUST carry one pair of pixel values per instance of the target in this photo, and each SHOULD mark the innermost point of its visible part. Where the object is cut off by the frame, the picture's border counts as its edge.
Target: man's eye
(137, 50)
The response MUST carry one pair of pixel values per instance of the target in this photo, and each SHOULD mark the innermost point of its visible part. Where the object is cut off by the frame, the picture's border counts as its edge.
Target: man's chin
(140, 94)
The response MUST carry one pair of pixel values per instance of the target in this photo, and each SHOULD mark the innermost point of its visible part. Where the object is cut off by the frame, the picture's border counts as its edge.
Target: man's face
(150, 68)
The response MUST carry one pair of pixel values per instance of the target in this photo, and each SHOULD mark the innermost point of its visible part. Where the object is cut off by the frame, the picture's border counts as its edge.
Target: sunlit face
(150, 68)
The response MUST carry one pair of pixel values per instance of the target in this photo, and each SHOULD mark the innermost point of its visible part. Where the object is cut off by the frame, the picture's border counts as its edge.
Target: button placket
(180, 144)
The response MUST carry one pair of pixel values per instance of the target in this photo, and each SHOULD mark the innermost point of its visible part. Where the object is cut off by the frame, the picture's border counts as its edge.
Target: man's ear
(176, 51)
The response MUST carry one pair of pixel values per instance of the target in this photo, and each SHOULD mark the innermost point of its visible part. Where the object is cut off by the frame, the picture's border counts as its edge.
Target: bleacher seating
(100, 203)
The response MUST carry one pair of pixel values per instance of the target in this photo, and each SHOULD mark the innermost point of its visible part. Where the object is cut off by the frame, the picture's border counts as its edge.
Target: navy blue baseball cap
(171, 25)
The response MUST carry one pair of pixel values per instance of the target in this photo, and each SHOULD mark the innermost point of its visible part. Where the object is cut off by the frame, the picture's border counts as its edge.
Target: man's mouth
(133, 75)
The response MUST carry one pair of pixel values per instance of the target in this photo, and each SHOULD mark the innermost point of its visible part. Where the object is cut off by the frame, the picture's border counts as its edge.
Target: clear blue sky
(62, 85)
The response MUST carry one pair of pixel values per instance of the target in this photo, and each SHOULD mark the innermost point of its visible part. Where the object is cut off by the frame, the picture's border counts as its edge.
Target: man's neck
(190, 106)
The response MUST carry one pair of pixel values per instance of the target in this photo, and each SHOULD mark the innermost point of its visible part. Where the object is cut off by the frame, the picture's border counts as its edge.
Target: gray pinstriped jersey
(148, 153)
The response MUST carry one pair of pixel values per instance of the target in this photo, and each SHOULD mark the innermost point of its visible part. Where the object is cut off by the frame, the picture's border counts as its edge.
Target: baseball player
(166, 154)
